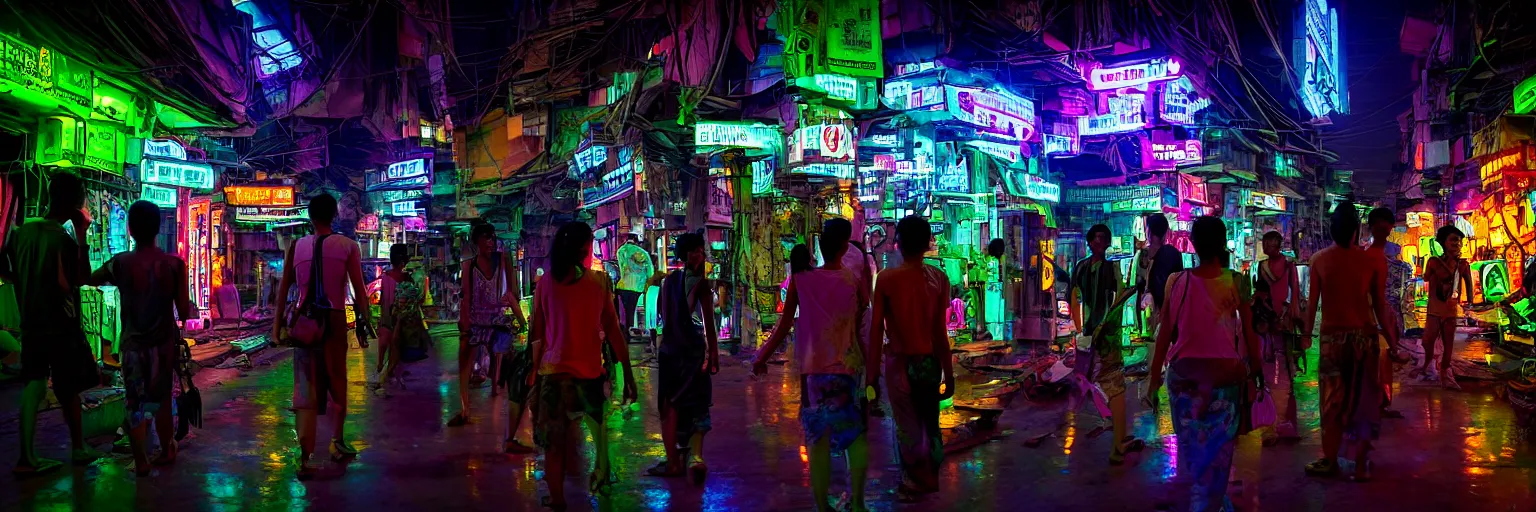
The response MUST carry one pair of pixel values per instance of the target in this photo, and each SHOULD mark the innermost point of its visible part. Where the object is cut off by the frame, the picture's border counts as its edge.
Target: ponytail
(565, 254)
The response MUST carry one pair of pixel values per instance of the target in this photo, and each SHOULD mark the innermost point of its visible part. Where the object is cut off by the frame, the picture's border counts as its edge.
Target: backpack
(410, 332)
(308, 319)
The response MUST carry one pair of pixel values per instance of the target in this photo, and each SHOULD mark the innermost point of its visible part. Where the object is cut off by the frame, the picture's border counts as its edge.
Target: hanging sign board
(164, 197)
(1033, 187)
(614, 184)
(1139, 204)
(838, 171)
(741, 135)
(1165, 156)
(250, 195)
(406, 169)
(1272, 202)
(1133, 75)
(403, 209)
(1009, 152)
(253, 214)
(1059, 145)
(588, 160)
(853, 38)
(1319, 61)
(1192, 189)
(1525, 96)
(762, 176)
(1180, 102)
(1126, 114)
(39, 75)
(369, 223)
(996, 112)
(181, 174)
(167, 149)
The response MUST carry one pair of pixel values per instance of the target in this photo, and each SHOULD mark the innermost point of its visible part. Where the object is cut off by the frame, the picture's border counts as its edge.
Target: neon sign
(181, 174)
(391, 196)
(259, 196)
(613, 185)
(838, 171)
(1494, 165)
(1272, 202)
(1319, 63)
(1138, 204)
(165, 149)
(997, 112)
(1192, 189)
(196, 246)
(762, 176)
(1163, 156)
(271, 215)
(1525, 96)
(1181, 102)
(1133, 75)
(1126, 114)
(955, 177)
(902, 95)
(403, 209)
(406, 169)
(754, 135)
(588, 159)
(833, 143)
(1009, 152)
(164, 197)
(1034, 187)
(369, 223)
(1059, 145)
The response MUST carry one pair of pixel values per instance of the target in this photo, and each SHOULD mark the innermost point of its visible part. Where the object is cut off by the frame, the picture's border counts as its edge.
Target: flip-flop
(1130, 444)
(40, 468)
(165, 460)
(698, 473)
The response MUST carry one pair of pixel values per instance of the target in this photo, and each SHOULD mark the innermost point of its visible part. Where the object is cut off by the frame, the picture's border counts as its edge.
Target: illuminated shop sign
(1180, 102)
(41, 71)
(904, 95)
(588, 160)
(832, 143)
(168, 149)
(955, 177)
(1192, 189)
(882, 140)
(741, 135)
(1033, 187)
(1009, 152)
(1132, 75)
(858, 93)
(1138, 204)
(405, 170)
(1059, 144)
(762, 176)
(1525, 96)
(838, 171)
(249, 195)
(254, 214)
(181, 174)
(1512, 161)
(376, 181)
(1163, 156)
(164, 197)
(1319, 60)
(403, 209)
(871, 185)
(391, 196)
(612, 185)
(1127, 113)
(1272, 202)
(916, 67)
(369, 223)
(996, 112)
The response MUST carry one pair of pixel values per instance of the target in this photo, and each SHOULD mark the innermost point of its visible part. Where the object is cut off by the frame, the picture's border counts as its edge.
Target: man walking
(320, 370)
(49, 261)
(1158, 261)
(1095, 304)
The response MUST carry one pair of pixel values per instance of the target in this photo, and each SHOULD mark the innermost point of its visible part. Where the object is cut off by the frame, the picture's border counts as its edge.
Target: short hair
(143, 220)
(399, 254)
(799, 259)
(1445, 232)
(322, 208)
(1274, 235)
(687, 243)
(914, 235)
(1381, 214)
(481, 229)
(66, 192)
(1344, 223)
(1209, 236)
(835, 233)
(1157, 225)
(1095, 230)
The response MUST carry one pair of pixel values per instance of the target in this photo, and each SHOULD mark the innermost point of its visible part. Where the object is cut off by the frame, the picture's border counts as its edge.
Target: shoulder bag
(1209, 371)
(307, 321)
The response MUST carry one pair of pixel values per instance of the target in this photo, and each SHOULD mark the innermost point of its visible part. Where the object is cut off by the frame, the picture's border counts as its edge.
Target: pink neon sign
(1133, 75)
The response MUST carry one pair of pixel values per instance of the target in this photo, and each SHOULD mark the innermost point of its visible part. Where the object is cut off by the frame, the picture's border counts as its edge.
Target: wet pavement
(1453, 451)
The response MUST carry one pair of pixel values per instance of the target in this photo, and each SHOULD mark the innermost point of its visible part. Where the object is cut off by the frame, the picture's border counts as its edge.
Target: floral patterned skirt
(832, 407)
(1206, 420)
(912, 386)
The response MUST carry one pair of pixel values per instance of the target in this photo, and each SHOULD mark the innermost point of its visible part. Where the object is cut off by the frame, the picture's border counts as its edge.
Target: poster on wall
(1168, 155)
(721, 202)
(853, 38)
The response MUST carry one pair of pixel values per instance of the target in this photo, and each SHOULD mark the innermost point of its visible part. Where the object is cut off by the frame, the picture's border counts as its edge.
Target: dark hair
(1274, 235)
(1157, 225)
(1343, 224)
(1381, 215)
(835, 233)
(1445, 232)
(65, 192)
(399, 255)
(481, 229)
(566, 253)
(799, 259)
(914, 235)
(322, 208)
(144, 221)
(687, 243)
(1209, 236)
(1095, 230)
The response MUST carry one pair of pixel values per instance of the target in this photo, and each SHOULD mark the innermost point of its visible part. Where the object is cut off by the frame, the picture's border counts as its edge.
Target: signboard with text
(1319, 60)
(1180, 102)
(1126, 113)
(1132, 75)
(406, 169)
(252, 195)
(1166, 156)
(164, 197)
(995, 112)
(735, 134)
(176, 173)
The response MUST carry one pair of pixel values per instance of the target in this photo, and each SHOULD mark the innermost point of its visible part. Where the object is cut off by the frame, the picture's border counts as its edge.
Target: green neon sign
(1525, 96)
(164, 197)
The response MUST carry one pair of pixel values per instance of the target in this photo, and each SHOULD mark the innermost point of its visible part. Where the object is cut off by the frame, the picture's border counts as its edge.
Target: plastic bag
(1263, 414)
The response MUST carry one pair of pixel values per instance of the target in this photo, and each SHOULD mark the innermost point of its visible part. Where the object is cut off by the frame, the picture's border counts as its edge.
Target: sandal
(1323, 467)
(458, 420)
(1448, 379)
(600, 486)
(167, 455)
(1132, 445)
(698, 473)
(342, 450)
(39, 467)
(306, 471)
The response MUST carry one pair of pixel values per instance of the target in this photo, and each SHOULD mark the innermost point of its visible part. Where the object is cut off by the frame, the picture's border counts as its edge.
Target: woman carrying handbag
(1207, 336)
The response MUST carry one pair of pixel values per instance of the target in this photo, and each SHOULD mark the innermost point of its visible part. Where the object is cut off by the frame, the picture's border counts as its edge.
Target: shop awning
(1282, 189)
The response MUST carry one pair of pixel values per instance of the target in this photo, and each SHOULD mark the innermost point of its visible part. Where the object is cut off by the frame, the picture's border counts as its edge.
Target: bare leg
(495, 373)
(1431, 333)
(601, 466)
(821, 472)
(1448, 339)
(1117, 420)
(554, 470)
(1333, 437)
(136, 433)
(669, 437)
(165, 431)
(858, 471)
(72, 417)
(31, 397)
(466, 366)
(306, 427)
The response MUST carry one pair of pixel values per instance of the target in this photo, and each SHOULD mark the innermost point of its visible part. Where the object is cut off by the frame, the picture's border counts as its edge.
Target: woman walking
(1445, 276)
(489, 317)
(153, 285)
(1207, 336)
(573, 316)
(400, 317)
(1346, 285)
(1281, 348)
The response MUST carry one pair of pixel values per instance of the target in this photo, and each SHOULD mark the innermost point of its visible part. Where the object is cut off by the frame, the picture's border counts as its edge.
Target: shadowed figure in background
(909, 305)
(49, 263)
(1095, 292)
(153, 287)
(830, 303)
(1280, 315)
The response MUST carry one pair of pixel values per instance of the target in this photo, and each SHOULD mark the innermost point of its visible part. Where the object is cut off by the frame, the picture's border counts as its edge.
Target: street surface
(1453, 451)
